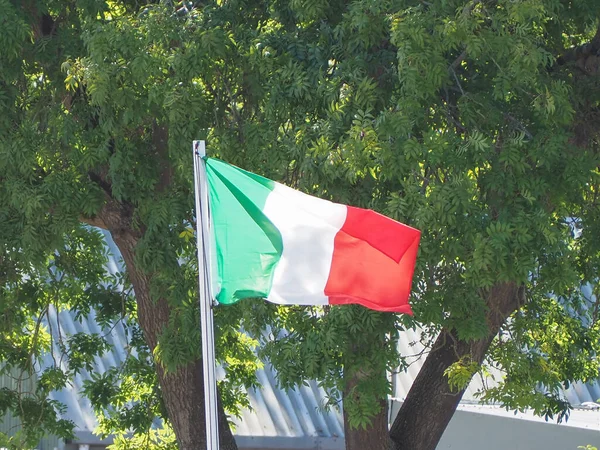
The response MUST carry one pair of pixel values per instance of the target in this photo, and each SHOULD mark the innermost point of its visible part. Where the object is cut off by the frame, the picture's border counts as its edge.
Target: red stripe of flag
(373, 262)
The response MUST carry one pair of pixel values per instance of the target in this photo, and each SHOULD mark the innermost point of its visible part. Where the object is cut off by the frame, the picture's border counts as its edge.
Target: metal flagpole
(206, 298)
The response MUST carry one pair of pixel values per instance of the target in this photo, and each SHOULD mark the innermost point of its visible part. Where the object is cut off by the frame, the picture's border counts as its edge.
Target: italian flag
(291, 248)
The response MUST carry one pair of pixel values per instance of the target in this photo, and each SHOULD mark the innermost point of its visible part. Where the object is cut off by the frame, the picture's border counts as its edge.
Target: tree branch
(459, 59)
(94, 222)
(581, 53)
(104, 185)
(160, 140)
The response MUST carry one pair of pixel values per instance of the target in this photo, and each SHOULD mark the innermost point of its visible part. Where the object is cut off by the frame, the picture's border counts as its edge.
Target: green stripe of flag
(248, 245)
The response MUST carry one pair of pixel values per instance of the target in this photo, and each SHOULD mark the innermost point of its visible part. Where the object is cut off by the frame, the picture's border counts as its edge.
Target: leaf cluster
(457, 117)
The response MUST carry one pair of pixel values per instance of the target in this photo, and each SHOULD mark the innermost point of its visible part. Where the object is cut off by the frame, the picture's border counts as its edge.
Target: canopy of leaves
(474, 121)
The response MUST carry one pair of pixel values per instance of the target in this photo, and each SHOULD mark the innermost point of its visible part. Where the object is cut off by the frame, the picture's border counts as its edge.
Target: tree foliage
(475, 121)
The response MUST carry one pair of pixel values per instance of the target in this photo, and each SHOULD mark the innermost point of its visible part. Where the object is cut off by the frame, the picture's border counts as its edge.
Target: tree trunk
(430, 403)
(183, 390)
(375, 435)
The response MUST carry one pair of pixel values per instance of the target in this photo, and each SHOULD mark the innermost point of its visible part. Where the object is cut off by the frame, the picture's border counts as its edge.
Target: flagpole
(206, 298)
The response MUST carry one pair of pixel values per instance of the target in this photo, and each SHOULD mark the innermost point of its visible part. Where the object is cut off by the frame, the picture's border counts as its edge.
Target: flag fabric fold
(291, 248)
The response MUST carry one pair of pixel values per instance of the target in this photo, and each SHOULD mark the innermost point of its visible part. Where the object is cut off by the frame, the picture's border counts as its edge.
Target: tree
(84, 145)
(474, 121)
(506, 175)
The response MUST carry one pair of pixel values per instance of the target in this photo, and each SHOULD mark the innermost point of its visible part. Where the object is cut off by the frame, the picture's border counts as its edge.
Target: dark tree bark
(375, 436)
(431, 403)
(584, 57)
(182, 390)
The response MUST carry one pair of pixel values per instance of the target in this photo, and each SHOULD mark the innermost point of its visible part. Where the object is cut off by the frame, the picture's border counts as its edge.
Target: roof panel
(294, 413)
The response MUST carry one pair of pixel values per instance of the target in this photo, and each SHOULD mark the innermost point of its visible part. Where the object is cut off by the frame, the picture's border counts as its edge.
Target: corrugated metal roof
(290, 413)
(79, 409)
(577, 393)
(9, 424)
(411, 343)
(274, 412)
(580, 393)
(578, 418)
(296, 414)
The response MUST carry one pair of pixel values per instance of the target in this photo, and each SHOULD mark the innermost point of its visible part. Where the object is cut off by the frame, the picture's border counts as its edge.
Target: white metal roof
(275, 414)
(295, 414)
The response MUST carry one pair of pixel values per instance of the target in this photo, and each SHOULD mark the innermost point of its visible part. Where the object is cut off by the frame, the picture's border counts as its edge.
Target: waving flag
(291, 248)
